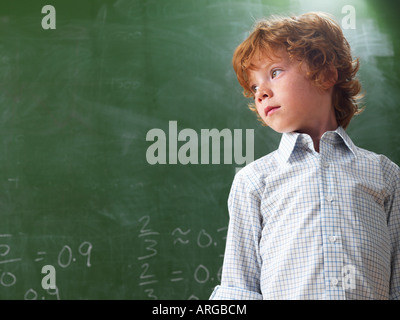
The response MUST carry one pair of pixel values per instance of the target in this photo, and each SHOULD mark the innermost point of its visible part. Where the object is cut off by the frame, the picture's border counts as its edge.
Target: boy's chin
(279, 129)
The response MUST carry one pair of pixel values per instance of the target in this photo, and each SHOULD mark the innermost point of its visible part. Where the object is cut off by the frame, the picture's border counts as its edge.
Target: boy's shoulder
(376, 157)
(255, 172)
(389, 169)
(260, 166)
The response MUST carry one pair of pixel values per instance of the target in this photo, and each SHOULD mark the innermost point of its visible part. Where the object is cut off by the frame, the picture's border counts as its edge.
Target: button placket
(331, 223)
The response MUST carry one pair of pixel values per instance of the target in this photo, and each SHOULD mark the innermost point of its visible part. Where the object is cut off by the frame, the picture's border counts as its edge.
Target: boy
(319, 217)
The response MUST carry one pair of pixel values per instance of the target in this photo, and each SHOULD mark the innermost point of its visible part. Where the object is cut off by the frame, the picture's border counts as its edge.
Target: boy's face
(286, 99)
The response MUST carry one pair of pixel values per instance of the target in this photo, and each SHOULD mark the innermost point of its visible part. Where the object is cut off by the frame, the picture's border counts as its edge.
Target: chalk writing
(10, 271)
(155, 250)
(184, 259)
(184, 233)
(146, 278)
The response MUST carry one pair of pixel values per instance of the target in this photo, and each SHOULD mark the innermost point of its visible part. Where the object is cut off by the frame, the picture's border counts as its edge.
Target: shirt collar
(340, 132)
(292, 140)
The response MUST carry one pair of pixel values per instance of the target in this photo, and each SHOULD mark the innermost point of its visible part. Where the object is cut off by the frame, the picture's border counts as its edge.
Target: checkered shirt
(308, 225)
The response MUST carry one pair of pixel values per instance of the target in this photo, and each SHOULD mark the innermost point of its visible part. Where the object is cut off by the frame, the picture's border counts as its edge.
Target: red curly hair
(312, 38)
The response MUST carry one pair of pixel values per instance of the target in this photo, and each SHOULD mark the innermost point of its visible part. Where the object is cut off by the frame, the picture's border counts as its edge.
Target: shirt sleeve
(242, 261)
(393, 214)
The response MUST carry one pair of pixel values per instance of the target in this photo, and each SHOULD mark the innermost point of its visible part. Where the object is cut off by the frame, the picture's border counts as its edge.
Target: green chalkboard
(122, 126)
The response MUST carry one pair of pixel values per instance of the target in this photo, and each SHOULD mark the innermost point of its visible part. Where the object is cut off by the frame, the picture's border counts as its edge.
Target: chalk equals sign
(40, 253)
(177, 278)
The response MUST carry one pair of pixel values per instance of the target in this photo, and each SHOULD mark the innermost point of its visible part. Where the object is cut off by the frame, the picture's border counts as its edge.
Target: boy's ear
(330, 78)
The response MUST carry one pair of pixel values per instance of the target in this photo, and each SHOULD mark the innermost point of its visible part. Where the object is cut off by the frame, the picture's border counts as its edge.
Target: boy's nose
(263, 94)
(262, 97)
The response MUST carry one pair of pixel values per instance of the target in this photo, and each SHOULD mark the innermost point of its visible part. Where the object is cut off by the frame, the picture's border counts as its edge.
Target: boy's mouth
(270, 110)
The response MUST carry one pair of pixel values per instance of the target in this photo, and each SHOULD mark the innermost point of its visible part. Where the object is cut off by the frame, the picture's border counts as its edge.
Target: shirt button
(325, 164)
(332, 239)
(329, 198)
(334, 282)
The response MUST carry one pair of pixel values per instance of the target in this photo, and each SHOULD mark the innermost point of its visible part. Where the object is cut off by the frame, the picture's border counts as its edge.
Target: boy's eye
(254, 88)
(275, 73)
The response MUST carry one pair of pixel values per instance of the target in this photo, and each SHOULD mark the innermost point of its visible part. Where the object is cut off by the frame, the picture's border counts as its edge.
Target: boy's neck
(316, 132)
